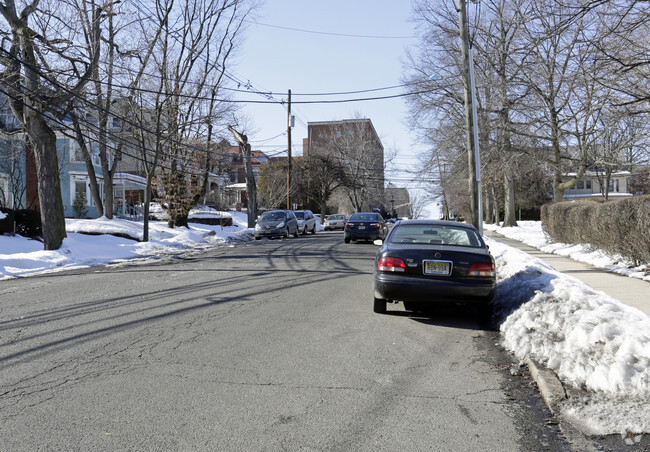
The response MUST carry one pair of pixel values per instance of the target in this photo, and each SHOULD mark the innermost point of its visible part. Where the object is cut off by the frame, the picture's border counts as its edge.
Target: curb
(553, 394)
(549, 385)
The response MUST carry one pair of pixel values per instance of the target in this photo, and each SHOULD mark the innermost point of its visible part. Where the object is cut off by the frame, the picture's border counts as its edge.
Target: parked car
(364, 226)
(276, 223)
(433, 261)
(306, 221)
(334, 222)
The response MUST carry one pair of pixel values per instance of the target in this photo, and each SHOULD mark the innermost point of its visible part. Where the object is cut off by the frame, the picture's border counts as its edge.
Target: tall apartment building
(357, 144)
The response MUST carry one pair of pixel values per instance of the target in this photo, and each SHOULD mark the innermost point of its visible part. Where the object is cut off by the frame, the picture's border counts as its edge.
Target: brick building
(356, 143)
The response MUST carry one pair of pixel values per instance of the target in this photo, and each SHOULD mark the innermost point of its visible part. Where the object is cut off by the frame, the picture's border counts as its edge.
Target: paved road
(267, 346)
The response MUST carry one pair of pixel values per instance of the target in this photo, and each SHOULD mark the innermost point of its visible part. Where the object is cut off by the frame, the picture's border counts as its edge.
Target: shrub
(619, 227)
(28, 223)
(79, 205)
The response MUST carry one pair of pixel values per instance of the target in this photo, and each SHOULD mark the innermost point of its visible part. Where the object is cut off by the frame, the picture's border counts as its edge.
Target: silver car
(334, 222)
(276, 223)
(306, 221)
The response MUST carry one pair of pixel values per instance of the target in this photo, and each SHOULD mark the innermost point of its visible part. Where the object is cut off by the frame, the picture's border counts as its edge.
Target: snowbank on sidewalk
(589, 339)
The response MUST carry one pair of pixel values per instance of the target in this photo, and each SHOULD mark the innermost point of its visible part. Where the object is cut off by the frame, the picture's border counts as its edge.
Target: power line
(345, 35)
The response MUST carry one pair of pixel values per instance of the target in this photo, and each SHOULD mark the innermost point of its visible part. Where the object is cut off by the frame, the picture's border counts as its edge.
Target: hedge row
(26, 222)
(620, 227)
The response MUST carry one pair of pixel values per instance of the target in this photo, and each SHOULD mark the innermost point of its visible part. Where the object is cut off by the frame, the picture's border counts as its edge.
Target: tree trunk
(43, 141)
(509, 211)
(147, 204)
(251, 189)
(495, 204)
(489, 211)
(94, 187)
(107, 171)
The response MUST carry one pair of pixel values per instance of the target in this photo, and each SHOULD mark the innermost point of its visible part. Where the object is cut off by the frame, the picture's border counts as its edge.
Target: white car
(306, 221)
(334, 222)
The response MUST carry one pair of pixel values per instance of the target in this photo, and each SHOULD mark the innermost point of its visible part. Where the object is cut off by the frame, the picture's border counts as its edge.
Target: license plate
(437, 267)
(362, 227)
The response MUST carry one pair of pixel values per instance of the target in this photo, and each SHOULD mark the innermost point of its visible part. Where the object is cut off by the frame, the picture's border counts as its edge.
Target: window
(79, 188)
(75, 152)
(80, 184)
(613, 185)
(588, 184)
(4, 192)
(580, 185)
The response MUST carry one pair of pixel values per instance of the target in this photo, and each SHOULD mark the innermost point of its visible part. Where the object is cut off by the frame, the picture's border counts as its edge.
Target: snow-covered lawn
(590, 340)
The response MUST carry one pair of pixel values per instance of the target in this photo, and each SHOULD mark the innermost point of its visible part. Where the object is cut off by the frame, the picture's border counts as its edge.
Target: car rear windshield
(421, 234)
(336, 217)
(364, 217)
(272, 216)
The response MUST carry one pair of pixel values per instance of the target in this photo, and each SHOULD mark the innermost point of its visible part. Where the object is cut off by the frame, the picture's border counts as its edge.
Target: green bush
(79, 205)
(620, 227)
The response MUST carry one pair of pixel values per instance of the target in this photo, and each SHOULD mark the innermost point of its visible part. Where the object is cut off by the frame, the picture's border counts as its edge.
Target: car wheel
(379, 306)
(258, 238)
(346, 240)
(313, 230)
(297, 233)
(304, 231)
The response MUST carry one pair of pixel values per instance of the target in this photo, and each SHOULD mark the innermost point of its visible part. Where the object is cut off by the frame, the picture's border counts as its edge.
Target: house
(592, 185)
(232, 167)
(19, 183)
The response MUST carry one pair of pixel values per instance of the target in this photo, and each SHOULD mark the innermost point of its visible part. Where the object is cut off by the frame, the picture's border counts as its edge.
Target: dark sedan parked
(364, 226)
(431, 261)
(276, 223)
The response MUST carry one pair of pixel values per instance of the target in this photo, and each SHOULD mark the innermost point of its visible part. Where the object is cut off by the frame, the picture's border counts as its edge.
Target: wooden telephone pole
(470, 119)
(289, 151)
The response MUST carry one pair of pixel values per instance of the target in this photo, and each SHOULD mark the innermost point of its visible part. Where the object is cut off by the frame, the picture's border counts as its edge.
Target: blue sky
(275, 59)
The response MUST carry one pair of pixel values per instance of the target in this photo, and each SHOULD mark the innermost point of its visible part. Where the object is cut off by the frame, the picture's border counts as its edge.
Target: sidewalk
(630, 291)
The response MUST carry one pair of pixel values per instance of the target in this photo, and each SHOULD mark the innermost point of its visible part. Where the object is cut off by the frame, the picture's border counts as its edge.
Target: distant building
(398, 201)
(592, 185)
(357, 144)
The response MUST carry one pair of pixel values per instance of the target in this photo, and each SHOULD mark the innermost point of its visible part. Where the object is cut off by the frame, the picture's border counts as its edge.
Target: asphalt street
(266, 346)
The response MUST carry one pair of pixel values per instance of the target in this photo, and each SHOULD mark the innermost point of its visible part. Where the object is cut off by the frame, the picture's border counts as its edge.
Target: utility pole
(470, 117)
(289, 151)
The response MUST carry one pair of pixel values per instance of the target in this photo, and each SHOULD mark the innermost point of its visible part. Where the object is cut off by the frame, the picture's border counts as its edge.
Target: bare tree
(273, 185)
(192, 62)
(361, 155)
(42, 70)
(324, 174)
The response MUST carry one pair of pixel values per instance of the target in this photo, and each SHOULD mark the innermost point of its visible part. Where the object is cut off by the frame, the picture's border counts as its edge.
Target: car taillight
(481, 270)
(349, 225)
(374, 225)
(391, 264)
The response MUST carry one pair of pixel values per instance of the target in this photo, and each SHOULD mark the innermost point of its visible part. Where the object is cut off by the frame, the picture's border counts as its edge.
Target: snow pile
(589, 339)
(20, 256)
